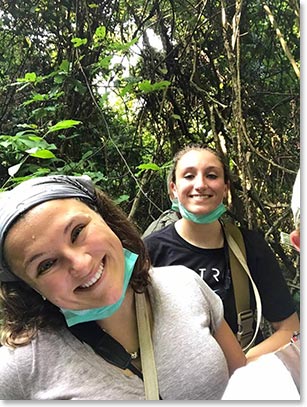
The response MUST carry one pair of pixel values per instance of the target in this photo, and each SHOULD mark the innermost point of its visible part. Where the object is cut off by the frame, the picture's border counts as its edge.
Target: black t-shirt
(167, 248)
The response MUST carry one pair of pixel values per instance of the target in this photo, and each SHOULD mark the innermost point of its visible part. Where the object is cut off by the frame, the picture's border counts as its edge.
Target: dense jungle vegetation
(113, 89)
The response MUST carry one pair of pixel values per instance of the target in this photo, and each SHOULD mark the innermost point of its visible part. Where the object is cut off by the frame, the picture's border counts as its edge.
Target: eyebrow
(33, 258)
(68, 226)
(211, 167)
(37, 255)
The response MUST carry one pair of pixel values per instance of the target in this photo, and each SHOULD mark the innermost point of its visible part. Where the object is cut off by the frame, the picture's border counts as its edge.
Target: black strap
(105, 346)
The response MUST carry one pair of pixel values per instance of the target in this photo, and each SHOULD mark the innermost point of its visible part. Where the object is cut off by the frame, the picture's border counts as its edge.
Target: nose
(200, 182)
(79, 263)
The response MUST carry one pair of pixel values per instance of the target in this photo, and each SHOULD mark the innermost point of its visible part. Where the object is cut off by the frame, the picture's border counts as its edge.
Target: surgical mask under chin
(206, 218)
(175, 206)
(74, 317)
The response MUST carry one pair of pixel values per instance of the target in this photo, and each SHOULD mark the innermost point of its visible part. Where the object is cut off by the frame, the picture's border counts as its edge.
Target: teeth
(95, 278)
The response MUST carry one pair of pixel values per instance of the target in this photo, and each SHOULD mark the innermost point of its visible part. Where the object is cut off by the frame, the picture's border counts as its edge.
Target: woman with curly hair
(73, 270)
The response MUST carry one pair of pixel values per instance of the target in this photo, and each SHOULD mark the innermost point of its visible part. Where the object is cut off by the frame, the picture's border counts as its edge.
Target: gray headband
(33, 192)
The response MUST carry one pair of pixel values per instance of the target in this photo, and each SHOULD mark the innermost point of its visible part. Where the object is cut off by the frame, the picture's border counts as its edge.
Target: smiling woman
(199, 182)
(72, 268)
(64, 264)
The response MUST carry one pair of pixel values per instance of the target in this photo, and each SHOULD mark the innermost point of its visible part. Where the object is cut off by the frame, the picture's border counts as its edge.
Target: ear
(173, 189)
(295, 239)
(226, 189)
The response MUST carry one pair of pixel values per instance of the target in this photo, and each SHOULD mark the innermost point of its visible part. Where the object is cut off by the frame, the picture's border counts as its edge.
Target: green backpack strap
(241, 276)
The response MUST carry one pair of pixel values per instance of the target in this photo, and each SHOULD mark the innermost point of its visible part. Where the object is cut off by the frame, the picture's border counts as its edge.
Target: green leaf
(58, 79)
(121, 198)
(100, 32)
(30, 77)
(64, 124)
(161, 85)
(26, 133)
(27, 125)
(45, 154)
(5, 144)
(77, 42)
(149, 166)
(147, 87)
(87, 154)
(35, 138)
(124, 46)
(176, 116)
(64, 65)
(127, 89)
(105, 62)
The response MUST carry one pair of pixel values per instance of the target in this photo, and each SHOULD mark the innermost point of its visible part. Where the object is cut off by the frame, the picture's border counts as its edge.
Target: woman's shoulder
(41, 341)
(258, 233)
(15, 370)
(181, 279)
(173, 273)
(253, 237)
(6, 355)
(255, 242)
(9, 354)
(186, 293)
(45, 342)
(250, 236)
(163, 234)
(171, 276)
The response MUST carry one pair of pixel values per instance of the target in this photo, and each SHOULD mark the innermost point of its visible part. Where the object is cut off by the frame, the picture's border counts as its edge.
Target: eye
(45, 266)
(188, 176)
(212, 176)
(76, 232)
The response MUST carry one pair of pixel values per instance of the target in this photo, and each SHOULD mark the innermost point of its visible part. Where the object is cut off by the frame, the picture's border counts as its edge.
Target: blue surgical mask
(74, 317)
(206, 218)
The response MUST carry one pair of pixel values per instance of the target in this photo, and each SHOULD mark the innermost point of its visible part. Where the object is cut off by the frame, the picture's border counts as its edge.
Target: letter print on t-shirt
(216, 274)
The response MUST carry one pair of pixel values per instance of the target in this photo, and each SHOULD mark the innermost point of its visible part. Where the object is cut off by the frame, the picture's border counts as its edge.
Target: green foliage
(84, 88)
(148, 87)
(27, 143)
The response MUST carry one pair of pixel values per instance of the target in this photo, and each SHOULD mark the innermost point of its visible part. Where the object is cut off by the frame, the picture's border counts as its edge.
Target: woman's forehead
(48, 212)
(195, 157)
(44, 221)
(58, 204)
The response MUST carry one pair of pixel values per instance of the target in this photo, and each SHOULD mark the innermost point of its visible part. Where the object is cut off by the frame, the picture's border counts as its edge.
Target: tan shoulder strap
(146, 348)
(240, 275)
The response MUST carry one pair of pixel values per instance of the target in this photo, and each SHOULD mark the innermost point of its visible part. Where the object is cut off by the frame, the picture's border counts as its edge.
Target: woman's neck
(122, 325)
(206, 236)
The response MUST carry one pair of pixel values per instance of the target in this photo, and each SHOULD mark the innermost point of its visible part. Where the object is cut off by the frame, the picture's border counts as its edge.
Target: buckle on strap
(245, 327)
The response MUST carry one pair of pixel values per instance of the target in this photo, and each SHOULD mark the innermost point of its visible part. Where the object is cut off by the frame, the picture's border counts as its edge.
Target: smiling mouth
(206, 196)
(95, 278)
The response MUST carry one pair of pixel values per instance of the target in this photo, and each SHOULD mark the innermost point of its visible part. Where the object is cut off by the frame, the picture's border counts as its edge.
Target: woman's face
(200, 185)
(65, 251)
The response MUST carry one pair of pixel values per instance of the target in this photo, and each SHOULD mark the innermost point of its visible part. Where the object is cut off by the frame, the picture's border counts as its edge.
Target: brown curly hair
(23, 311)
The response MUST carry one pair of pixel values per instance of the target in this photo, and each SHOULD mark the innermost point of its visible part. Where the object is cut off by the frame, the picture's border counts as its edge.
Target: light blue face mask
(175, 205)
(206, 218)
(74, 317)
